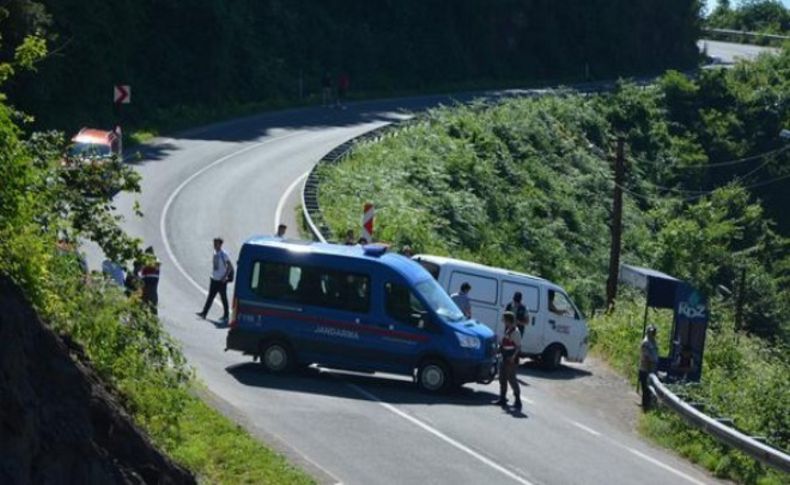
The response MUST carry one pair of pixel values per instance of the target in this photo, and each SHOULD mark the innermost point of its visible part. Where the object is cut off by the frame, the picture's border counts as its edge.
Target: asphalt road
(241, 178)
(729, 52)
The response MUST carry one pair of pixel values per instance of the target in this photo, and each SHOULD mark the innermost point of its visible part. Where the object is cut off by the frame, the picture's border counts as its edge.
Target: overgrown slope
(526, 184)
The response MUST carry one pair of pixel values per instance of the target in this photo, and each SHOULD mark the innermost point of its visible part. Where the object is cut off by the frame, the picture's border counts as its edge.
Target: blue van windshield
(438, 299)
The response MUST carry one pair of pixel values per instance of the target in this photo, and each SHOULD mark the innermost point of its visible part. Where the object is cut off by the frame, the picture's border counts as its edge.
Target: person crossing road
(221, 272)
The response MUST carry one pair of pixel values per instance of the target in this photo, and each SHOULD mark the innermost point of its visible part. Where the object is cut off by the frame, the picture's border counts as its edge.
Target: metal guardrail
(743, 33)
(726, 434)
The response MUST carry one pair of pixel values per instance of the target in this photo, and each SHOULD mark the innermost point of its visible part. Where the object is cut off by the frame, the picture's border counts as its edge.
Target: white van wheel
(433, 376)
(276, 357)
(552, 357)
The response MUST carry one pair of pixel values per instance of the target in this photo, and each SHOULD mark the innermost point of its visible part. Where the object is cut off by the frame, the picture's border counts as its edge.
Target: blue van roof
(407, 268)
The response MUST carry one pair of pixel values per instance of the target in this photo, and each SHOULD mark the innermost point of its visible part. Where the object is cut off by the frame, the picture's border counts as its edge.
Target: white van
(556, 328)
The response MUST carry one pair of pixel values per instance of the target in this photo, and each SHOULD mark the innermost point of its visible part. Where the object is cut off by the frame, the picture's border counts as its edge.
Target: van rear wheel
(433, 376)
(276, 356)
(552, 357)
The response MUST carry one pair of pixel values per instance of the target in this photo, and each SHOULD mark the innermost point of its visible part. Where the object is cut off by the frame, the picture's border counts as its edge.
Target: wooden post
(616, 225)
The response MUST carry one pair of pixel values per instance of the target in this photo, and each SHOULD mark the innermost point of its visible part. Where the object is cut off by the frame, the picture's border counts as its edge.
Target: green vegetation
(525, 184)
(209, 58)
(43, 206)
(763, 16)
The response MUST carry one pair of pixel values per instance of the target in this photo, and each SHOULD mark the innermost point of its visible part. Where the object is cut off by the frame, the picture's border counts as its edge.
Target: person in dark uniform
(150, 277)
(519, 310)
(509, 348)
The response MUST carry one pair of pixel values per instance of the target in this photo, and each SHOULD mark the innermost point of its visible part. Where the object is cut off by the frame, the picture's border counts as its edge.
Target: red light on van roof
(375, 249)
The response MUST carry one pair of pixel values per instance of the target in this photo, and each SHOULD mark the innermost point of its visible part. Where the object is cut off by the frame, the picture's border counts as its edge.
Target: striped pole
(367, 221)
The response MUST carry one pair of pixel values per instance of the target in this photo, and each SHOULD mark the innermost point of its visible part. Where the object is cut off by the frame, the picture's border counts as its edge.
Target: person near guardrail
(509, 348)
(648, 361)
(350, 238)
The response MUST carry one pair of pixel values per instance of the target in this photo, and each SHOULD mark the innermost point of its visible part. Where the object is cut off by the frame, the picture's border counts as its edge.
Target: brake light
(234, 313)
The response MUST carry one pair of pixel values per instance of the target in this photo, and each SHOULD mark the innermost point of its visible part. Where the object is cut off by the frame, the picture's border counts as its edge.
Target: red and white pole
(367, 221)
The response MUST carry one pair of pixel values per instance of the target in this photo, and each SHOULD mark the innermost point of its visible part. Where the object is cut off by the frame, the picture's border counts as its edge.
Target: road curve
(239, 178)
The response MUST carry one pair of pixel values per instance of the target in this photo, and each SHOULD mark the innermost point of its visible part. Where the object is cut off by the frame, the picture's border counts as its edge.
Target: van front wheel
(552, 357)
(276, 356)
(433, 376)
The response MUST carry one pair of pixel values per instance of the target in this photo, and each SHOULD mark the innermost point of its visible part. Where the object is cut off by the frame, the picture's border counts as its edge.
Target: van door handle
(552, 323)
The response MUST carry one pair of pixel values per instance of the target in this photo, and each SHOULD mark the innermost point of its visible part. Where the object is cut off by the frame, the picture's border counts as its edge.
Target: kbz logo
(693, 308)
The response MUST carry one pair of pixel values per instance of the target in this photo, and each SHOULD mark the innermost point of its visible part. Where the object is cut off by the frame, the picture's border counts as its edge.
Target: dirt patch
(58, 422)
(596, 387)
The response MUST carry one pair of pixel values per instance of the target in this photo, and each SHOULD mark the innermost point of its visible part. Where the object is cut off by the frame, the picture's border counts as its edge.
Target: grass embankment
(129, 349)
(522, 185)
(743, 379)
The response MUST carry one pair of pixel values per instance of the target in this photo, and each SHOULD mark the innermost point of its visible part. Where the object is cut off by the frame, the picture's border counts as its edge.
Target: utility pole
(739, 303)
(616, 224)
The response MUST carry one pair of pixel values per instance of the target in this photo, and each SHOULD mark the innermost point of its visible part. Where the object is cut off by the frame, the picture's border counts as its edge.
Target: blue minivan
(358, 308)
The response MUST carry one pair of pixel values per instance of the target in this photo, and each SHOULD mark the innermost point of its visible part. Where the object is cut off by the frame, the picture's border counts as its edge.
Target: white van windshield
(438, 299)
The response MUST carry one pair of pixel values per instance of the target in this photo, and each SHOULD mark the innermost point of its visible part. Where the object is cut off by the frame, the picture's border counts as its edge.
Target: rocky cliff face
(58, 422)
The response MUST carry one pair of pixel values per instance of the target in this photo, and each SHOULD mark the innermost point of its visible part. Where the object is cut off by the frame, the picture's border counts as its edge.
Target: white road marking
(163, 217)
(585, 428)
(441, 435)
(278, 213)
(662, 465)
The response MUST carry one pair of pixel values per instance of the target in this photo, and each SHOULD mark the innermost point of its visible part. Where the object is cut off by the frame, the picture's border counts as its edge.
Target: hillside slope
(59, 422)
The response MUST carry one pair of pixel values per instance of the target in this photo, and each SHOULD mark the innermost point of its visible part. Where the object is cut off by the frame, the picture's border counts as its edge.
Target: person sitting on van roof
(462, 299)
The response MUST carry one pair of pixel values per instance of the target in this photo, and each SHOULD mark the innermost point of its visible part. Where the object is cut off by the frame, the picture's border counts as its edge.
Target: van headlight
(467, 341)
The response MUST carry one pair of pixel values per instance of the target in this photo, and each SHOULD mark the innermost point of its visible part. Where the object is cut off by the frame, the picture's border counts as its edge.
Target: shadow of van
(564, 372)
(336, 383)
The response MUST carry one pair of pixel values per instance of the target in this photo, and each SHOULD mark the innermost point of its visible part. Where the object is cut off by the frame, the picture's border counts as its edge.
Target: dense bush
(215, 53)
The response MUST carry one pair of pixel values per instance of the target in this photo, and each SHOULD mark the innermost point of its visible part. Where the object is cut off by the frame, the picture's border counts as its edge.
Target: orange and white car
(95, 145)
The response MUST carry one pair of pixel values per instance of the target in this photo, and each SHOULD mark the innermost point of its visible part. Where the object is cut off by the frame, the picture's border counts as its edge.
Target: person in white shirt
(462, 299)
(221, 269)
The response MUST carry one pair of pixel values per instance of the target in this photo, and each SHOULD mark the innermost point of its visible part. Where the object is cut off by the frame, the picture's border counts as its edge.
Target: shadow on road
(394, 390)
(535, 369)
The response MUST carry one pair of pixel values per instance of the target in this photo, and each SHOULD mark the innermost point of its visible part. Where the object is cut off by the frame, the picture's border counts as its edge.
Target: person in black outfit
(519, 310)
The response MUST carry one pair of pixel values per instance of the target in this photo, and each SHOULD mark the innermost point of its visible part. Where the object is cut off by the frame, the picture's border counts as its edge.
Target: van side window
(401, 304)
(559, 304)
(310, 285)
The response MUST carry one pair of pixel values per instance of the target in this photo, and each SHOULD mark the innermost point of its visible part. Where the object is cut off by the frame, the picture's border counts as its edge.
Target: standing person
(326, 89)
(113, 271)
(350, 238)
(221, 269)
(132, 283)
(519, 310)
(509, 347)
(342, 88)
(648, 361)
(281, 230)
(462, 299)
(150, 277)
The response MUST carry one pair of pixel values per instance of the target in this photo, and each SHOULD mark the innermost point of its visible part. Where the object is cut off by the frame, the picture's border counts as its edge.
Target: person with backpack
(519, 310)
(221, 274)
